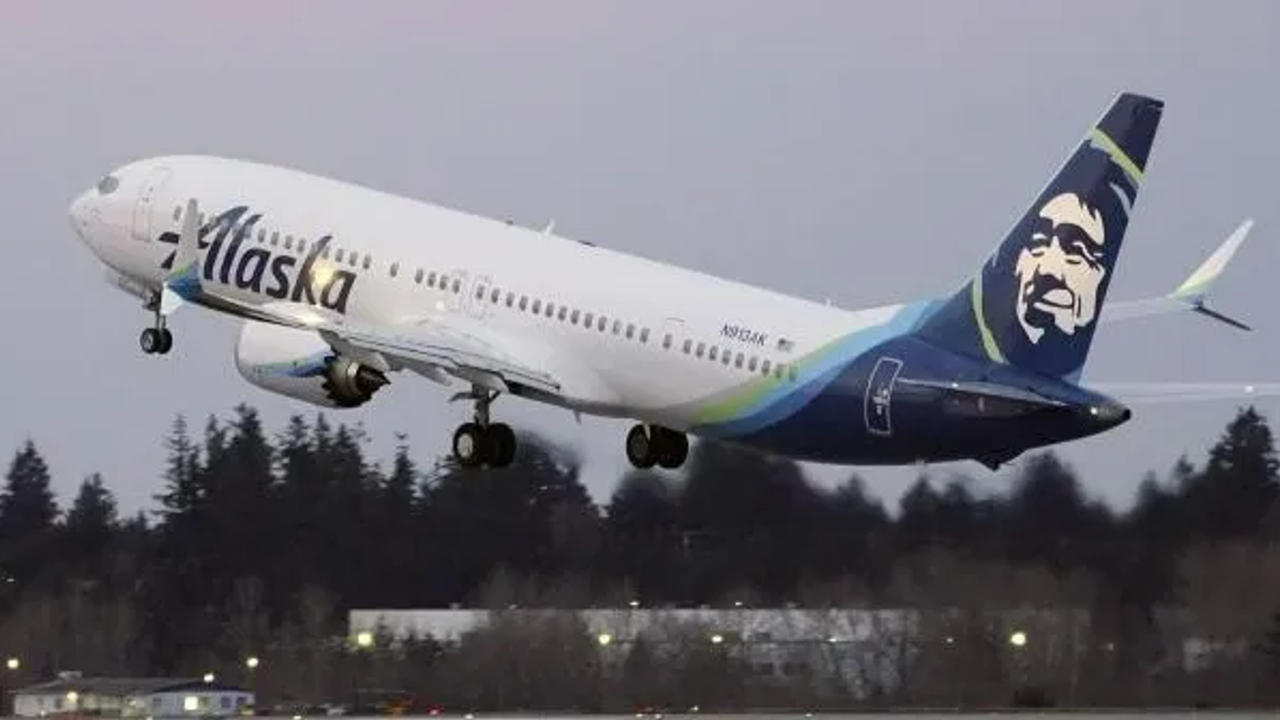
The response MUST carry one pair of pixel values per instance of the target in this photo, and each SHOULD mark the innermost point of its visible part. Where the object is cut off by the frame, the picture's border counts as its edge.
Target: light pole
(251, 665)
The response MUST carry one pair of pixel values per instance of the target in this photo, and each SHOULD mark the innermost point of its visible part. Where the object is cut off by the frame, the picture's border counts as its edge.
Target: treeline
(262, 542)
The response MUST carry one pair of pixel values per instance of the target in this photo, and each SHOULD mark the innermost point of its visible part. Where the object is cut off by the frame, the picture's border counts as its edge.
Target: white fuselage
(650, 359)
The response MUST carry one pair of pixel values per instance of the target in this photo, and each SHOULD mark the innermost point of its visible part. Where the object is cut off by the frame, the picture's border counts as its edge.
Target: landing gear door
(877, 405)
(144, 211)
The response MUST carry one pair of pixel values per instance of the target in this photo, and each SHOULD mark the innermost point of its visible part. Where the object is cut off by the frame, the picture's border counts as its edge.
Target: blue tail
(1034, 304)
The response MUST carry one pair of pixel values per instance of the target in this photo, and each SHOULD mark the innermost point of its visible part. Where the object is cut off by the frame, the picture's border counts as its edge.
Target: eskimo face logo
(227, 261)
(1060, 268)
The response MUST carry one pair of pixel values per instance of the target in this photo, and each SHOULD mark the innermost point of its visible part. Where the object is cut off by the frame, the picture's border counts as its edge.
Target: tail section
(1035, 303)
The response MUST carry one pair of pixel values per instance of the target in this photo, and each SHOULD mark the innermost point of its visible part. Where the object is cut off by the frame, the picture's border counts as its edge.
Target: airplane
(341, 287)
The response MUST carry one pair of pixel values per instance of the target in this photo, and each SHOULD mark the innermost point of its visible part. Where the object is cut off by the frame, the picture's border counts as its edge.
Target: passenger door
(144, 211)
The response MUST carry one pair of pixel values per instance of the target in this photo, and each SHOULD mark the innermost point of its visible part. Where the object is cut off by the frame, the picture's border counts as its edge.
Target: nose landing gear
(481, 442)
(648, 445)
(156, 340)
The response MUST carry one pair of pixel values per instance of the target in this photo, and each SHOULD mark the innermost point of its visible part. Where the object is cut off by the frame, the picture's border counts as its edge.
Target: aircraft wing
(1192, 293)
(1168, 392)
(432, 346)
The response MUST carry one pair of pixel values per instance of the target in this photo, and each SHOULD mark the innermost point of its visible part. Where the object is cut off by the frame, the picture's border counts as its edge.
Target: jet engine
(300, 364)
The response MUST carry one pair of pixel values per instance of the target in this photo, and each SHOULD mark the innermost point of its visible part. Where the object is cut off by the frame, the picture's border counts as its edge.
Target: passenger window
(551, 309)
(644, 335)
(687, 344)
(325, 253)
(702, 347)
(337, 256)
(587, 320)
(666, 341)
(262, 235)
(431, 279)
(537, 306)
(602, 323)
(275, 239)
(563, 311)
(617, 326)
(764, 367)
(457, 285)
(367, 261)
(737, 361)
(751, 364)
(493, 296)
(417, 277)
(511, 299)
(711, 354)
(395, 268)
(791, 372)
(480, 292)
(355, 256)
(302, 245)
(574, 317)
(288, 243)
(177, 212)
(777, 371)
(726, 357)
(200, 219)
(524, 301)
(631, 330)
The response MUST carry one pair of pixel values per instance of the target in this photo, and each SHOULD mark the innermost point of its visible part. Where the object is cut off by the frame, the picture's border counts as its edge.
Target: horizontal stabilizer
(1169, 392)
(1193, 293)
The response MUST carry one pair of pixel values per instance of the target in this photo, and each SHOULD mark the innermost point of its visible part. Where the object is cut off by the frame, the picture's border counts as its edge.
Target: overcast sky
(862, 152)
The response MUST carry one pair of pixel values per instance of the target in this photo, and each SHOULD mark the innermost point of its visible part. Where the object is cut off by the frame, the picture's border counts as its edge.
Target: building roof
(123, 686)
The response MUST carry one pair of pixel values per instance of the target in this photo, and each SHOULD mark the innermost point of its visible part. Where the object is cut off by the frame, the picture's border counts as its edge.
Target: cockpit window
(108, 185)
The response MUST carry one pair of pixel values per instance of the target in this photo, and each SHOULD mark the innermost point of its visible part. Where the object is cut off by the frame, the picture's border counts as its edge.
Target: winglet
(183, 281)
(1195, 289)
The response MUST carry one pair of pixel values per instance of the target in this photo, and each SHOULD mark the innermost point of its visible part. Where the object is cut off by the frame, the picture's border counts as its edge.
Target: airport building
(72, 694)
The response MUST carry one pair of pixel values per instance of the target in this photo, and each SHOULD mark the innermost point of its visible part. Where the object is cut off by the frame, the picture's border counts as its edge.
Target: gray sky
(862, 152)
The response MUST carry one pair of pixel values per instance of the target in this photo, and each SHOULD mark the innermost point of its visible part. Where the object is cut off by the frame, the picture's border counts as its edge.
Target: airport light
(72, 697)
(717, 639)
(1018, 639)
(364, 639)
(604, 639)
(13, 663)
(208, 677)
(634, 603)
(251, 662)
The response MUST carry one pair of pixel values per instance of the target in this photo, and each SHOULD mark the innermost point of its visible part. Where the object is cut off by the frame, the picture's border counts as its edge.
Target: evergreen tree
(1239, 483)
(27, 508)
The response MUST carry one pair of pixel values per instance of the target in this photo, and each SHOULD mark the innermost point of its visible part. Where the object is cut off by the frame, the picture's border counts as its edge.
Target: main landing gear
(648, 445)
(156, 340)
(481, 442)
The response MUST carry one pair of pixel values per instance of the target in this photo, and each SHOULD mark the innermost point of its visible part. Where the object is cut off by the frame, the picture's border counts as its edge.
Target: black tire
(468, 445)
(166, 341)
(150, 341)
(673, 448)
(501, 445)
(640, 447)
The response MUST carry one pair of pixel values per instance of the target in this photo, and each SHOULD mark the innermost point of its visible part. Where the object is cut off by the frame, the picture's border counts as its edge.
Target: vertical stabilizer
(1035, 302)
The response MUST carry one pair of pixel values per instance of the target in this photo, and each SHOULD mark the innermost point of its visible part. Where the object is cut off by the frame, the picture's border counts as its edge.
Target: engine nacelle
(300, 364)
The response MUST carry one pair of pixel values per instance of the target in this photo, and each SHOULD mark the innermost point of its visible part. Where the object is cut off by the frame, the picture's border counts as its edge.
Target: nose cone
(81, 212)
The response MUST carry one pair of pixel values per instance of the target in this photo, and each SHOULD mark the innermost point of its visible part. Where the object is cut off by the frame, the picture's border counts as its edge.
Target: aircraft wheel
(166, 341)
(640, 447)
(468, 445)
(500, 445)
(150, 341)
(673, 447)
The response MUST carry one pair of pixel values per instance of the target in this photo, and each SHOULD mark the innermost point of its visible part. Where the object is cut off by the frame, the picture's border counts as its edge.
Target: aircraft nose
(81, 211)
